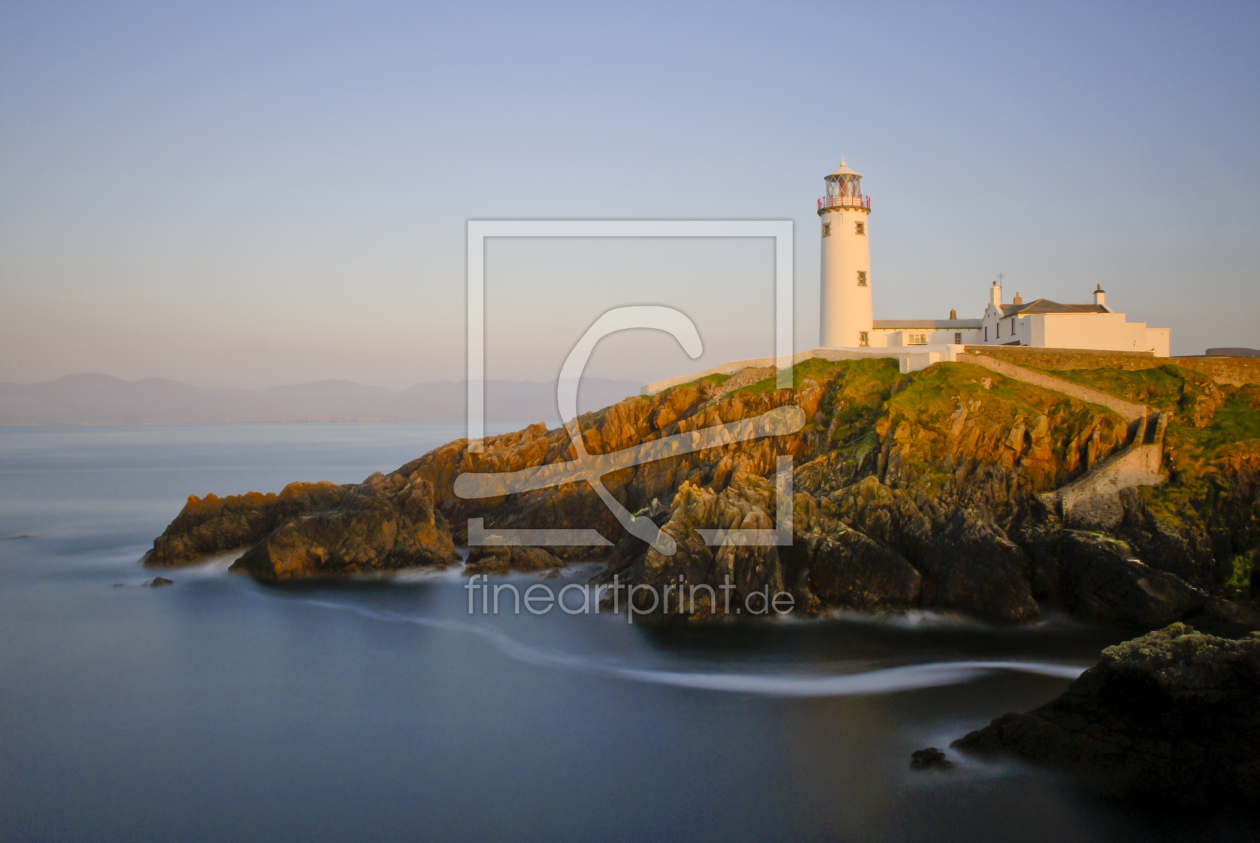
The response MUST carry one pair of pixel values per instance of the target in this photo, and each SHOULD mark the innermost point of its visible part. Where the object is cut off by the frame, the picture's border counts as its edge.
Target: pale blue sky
(253, 194)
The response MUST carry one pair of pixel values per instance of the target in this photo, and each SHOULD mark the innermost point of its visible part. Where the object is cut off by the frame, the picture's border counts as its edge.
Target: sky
(253, 194)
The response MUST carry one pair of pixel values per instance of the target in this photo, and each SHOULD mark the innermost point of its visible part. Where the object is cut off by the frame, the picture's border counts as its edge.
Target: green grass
(815, 368)
(940, 387)
(1235, 427)
(1237, 421)
(1160, 387)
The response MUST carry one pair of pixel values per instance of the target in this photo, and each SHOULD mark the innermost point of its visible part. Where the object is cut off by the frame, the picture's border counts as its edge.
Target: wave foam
(880, 681)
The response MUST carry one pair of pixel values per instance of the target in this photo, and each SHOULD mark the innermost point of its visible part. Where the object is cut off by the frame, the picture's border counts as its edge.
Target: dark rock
(1174, 714)
(851, 570)
(1099, 581)
(631, 549)
(807, 604)
(158, 582)
(967, 563)
(930, 759)
(1184, 550)
(974, 569)
(500, 559)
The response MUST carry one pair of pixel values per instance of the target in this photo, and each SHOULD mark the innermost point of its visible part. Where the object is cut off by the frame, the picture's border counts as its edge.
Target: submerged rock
(930, 759)
(158, 582)
(501, 559)
(1174, 715)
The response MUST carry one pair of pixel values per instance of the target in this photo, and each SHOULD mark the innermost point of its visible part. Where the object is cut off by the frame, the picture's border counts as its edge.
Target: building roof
(915, 324)
(1047, 306)
(843, 170)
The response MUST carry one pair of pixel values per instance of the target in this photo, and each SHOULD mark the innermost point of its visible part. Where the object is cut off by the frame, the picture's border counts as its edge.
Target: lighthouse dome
(844, 170)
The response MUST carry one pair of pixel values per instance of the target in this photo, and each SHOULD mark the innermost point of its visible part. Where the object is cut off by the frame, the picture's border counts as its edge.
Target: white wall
(1099, 331)
(845, 309)
(886, 337)
(1102, 331)
(1160, 341)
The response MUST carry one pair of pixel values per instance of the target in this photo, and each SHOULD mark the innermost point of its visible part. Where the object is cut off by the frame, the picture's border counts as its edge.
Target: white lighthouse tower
(846, 261)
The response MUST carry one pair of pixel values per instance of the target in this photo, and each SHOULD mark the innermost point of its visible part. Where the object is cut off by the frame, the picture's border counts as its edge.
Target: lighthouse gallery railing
(845, 202)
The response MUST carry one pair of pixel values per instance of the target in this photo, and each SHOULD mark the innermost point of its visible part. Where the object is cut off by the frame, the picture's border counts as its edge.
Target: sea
(383, 709)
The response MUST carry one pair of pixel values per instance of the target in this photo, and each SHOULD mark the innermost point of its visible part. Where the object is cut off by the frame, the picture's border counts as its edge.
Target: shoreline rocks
(1173, 715)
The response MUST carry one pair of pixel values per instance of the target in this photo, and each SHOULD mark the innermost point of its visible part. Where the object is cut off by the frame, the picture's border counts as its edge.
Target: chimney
(1100, 297)
(1018, 299)
(953, 314)
(995, 295)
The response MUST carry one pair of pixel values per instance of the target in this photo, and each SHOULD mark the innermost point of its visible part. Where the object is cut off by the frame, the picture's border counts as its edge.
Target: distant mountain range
(101, 399)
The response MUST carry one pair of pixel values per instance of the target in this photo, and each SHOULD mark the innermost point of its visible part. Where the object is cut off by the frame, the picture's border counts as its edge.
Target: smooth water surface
(221, 709)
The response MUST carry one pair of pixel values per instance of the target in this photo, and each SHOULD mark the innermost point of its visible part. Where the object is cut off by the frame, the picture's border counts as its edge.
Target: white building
(846, 261)
(1047, 324)
(846, 300)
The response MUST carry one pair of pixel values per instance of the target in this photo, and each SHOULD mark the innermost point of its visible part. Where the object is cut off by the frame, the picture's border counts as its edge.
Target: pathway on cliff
(1092, 500)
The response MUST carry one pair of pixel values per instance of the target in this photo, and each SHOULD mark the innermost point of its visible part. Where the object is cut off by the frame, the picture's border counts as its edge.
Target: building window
(958, 338)
(861, 228)
(861, 278)
(998, 327)
(864, 339)
(916, 339)
(986, 334)
(826, 229)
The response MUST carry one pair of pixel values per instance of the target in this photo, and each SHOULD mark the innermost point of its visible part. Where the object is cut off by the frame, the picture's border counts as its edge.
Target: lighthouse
(846, 261)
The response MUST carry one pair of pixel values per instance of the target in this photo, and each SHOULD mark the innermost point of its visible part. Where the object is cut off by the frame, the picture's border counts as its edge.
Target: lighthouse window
(861, 228)
(861, 278)
(826, 229)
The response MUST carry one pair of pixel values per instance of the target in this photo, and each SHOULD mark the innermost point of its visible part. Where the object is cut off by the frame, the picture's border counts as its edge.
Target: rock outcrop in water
(314, 529)
(1173, 715)
(212, 524)
(911, 491)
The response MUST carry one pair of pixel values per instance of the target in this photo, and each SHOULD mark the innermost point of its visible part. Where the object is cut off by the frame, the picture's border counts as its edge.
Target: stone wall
(1093, 501)
(1234, 371)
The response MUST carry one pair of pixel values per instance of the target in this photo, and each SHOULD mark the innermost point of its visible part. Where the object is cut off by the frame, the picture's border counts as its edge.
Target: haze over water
(219, 708)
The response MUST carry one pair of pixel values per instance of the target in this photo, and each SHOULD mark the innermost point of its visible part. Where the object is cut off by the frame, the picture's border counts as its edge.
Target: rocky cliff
(914, 490)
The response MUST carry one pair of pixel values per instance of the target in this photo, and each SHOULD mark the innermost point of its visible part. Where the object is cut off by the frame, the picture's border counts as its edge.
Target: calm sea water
(221, 709)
